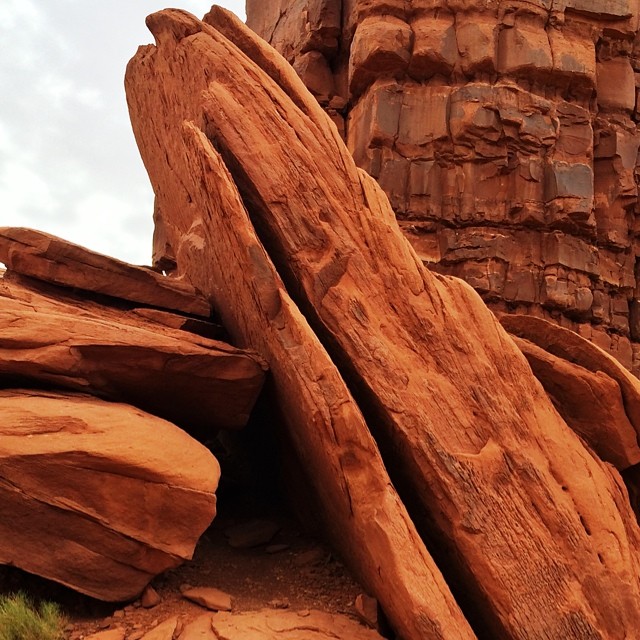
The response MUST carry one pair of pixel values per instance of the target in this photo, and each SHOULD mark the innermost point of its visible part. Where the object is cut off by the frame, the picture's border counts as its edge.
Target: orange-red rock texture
(97, 494)
(262, 208)
(504, 134)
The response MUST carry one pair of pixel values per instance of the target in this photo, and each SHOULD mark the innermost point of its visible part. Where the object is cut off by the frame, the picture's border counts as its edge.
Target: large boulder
(98, 496)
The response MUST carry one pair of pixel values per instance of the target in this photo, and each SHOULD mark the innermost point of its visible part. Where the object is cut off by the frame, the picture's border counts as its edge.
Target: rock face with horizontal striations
(535, 533)
(505, 135)
(50, 259)
(98, 496)
(51, 337)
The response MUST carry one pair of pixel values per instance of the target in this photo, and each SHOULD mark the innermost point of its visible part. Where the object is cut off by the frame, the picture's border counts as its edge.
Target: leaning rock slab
(589, 401)
(98, 496)
(569, 346)
(526, 514)
(361, 507)
(51, 259)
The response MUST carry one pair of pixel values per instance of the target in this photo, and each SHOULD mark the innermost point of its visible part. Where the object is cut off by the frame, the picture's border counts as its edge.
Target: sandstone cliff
(504, 134)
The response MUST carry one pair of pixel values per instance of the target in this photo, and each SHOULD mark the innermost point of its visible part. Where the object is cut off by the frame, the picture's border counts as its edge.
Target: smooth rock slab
(209, 597)
(199, 629)
(98, 496)
(164, 631)
(288, 625)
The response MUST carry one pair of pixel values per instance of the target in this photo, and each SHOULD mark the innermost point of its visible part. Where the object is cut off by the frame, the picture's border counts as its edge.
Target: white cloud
(104, 221)
(24, 192)
(68, 161)
(15, 14)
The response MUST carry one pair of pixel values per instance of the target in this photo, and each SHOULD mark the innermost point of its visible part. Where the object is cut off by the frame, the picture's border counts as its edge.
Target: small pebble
(209, 597)
(279, 603)
(150, 598)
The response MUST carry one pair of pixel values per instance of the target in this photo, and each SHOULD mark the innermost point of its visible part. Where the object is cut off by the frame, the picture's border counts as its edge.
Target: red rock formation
(596, 396)
(527, 514)
(504, 134)
(50, 259)
(218, 247)
(96, 495)
(69, 342)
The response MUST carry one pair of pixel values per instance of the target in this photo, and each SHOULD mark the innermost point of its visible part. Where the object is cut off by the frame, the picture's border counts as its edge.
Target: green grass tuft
(20, 619)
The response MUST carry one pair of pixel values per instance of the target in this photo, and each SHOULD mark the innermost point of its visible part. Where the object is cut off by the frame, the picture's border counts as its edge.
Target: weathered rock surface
(46, 257)
(49, 338)
(98, 496)
(527, 515)
(569, 346)
(590, 402)
(596, 396)
(505, 135)
(164, 631)
(219, 249)
(268, 624)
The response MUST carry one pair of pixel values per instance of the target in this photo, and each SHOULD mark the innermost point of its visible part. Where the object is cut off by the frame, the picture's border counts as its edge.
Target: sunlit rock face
(504, 134)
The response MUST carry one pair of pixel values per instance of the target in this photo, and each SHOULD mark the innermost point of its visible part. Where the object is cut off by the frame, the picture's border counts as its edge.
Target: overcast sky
(68, 160)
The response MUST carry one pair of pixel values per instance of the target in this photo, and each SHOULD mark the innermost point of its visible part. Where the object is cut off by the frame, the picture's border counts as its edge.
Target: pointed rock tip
(172, 25)
(218, 14)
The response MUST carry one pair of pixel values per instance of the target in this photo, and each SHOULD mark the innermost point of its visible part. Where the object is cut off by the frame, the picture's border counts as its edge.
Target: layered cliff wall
(504, 133)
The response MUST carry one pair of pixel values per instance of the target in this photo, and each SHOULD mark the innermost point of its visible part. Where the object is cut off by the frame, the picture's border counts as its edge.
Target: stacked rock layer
(504, 134)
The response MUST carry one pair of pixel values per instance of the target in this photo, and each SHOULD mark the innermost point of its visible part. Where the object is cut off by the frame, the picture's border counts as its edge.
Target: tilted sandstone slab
(566, 344)
(96, 495)
(51, 259)
(195, 382)
(492, 123)
(218, 248)
(590, 402)
(539, 530)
